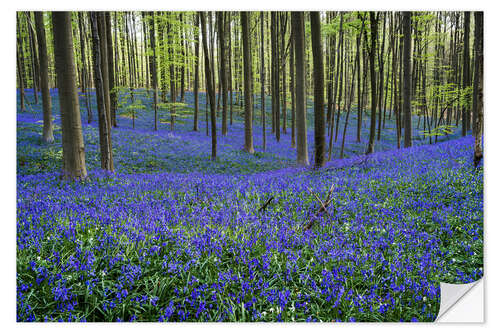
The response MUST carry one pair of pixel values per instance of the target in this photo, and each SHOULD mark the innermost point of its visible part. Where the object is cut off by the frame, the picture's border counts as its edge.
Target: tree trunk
(84, 68)
(247, 69)
(101, 27)
(222, 69)
(407, 77)
(73, 167)
(300, 105)
(478, 86)
(319, 91)
(262, 82)
(381, 79)
(20, 64)
(111, 73)
(466, 71)
(350, 98)
(183, 55)
(152, 67)
(292, 87)
(209, 83)
(196, 72)
(275, 96)
(48, 135)
(283, 68)
(99, 68)
(373, 80)
(34, 57)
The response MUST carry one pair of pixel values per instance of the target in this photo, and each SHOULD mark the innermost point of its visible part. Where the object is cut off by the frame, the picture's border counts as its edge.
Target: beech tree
(73, 167)
(373, 80)
(99, 78)
(209, 84)
(247, 69)
(407, 77)
(300, 94)
(478, 86)
(319, 91)
(47, 135)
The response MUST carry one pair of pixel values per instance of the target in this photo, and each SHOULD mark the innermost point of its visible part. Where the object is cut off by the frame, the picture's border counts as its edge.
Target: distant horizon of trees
(401, 64)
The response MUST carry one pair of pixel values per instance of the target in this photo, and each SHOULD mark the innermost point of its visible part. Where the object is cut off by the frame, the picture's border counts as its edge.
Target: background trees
(413, 68)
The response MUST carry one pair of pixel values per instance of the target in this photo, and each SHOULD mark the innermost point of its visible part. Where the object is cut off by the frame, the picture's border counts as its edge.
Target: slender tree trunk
(48, 135)
(292, 86)
(336, 88)
(230, 74)
(20, 64)
(340, 85)
(98, 19)
(478, 86)
(183, 55)
(356, 68)
(466, 71)
(222, 69)
(319, 91)
(300, 105)
(275, 97)
(360, 111)
(152, 67)
(262, 82)
(209, 83)
(247, 69)
(34, 57)
(73, 167)
(196, 72)
(101, 26)
(381, 78)
(84, 68)
(373, 33)
(111, 73)
(407, 77)
(283, 68)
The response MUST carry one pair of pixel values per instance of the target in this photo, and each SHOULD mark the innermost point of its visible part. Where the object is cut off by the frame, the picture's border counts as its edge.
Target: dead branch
(266, 204)
(322, 208)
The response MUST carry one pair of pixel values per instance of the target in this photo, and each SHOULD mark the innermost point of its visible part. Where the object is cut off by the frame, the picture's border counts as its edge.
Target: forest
(247, 166)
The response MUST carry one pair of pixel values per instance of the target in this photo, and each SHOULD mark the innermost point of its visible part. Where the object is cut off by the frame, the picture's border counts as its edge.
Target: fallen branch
(266, 204)
(322, 209)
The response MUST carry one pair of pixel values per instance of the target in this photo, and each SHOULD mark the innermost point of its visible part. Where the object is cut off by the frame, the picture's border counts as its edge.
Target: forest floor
(174, 236)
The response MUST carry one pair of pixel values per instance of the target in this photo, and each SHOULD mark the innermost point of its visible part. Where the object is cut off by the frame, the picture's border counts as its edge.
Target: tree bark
(73, 167)
(85, 83)
(466, 71)
(210, 85)
(247, 69)
(48, 135)
(319, 91)
(104, 121)
(111, 73)
(196, 72)
(20, 64)
(222, 69)
(152, 67)
(478, 86)
(262, 81)
(407, 77)
(373, 33)
(300, 105)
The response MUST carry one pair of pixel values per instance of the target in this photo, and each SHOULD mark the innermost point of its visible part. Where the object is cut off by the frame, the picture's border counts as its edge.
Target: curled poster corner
(461, 303)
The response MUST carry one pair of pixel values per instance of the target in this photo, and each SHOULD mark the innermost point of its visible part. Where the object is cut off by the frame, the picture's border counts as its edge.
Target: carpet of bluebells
(174, 236)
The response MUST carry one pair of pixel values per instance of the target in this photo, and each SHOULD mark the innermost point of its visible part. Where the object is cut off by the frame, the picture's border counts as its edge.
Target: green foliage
(439, 131)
